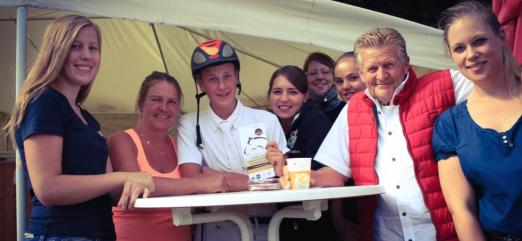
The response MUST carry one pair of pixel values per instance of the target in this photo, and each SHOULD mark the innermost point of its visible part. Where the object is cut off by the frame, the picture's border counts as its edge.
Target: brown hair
(151, 80)
(294, 75)
(319, 57)
(349, 54)
(56, 44)
(512, 70)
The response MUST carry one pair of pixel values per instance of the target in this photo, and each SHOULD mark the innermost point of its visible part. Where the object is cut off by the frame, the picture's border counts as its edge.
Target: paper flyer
(253, 145)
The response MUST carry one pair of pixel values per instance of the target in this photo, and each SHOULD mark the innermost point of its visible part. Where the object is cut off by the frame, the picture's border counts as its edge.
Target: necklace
(149, 143)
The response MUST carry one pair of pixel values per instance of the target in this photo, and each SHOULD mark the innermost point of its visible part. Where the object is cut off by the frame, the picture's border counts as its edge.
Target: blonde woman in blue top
(479, 142)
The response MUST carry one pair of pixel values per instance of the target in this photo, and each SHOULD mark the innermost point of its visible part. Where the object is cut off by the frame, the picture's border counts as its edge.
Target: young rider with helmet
(208, 140)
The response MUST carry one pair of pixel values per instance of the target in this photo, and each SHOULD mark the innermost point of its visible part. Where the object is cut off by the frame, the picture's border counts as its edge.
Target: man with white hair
(383, 136)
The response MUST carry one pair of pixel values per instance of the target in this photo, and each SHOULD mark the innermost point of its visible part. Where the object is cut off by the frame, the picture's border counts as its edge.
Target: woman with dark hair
(305, 127)
(347, 78)
(149, 148)
(479, 142)
(319, 70)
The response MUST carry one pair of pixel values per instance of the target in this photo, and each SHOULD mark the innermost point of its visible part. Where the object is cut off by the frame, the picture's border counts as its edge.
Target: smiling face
(382, 70)
(475, 48)
(219, 83)
(83, 61)
(347, 78)
(160, 107)
(285, 99)
(320, 77)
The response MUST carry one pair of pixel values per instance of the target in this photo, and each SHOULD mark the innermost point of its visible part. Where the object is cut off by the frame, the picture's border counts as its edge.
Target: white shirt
(214, 154)
(401, 212)
(214, 143)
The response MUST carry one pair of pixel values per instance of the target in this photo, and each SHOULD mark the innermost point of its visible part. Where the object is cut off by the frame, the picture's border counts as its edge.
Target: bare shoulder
(120, 139)
(123, 152)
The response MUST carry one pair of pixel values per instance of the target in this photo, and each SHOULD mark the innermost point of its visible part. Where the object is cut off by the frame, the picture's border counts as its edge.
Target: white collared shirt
(213, 153)
(401, 211)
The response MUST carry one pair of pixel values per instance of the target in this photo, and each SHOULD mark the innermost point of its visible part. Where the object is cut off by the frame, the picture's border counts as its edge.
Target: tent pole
(21, 55)
(159, 47)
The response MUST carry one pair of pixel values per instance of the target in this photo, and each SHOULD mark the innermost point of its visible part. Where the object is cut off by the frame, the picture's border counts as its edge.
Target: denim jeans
(36, 237)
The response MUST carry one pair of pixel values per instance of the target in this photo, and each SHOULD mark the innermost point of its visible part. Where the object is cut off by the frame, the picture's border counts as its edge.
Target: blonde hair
(512, 70)
(380, 37)
(152, 79)
(57, 41)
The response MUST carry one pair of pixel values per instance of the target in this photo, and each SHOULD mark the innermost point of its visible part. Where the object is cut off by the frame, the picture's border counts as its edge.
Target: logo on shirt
(292, 139)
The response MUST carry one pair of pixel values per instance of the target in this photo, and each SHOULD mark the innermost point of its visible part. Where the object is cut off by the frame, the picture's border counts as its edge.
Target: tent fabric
(509, 14)
(267, 34)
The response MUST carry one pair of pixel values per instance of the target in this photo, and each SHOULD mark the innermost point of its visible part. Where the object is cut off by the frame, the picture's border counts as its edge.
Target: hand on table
(216, 182)
(234, 182)
(284, 180)
(136, 183)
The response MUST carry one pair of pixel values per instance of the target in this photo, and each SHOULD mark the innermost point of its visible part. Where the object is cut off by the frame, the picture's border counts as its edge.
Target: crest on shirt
(292, 139)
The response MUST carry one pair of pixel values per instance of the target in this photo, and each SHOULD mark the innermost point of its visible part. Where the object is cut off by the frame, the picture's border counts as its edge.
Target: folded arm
(328, 177)
(43, 155)
(123, 155)
(233, 181)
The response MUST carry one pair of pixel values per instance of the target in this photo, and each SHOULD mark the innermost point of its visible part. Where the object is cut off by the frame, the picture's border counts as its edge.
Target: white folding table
(314, 200)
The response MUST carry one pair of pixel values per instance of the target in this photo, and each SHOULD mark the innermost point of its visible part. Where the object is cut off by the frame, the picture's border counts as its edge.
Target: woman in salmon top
(148, 147)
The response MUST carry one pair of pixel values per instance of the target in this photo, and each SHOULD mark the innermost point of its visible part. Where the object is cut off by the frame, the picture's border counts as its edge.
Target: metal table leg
(310, 210)
(184, 216)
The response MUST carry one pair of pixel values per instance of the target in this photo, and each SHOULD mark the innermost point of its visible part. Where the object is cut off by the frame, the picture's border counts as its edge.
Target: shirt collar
(395, 93)
(233, 118)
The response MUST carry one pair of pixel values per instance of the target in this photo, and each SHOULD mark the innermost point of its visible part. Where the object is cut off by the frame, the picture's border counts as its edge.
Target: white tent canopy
(140, 36)
(267, 34)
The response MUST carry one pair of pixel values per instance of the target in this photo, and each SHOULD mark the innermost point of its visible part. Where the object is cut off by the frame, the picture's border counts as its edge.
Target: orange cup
(299, 171)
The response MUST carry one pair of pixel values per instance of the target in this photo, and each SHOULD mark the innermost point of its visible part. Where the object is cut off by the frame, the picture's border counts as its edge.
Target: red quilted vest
(421, 101)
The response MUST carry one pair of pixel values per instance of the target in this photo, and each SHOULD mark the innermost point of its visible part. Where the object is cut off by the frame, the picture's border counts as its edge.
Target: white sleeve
(334, 149)
(461, 85)
(188, 152)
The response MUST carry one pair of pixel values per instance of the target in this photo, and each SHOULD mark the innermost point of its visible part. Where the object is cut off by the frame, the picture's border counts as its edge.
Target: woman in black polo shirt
(305, 127)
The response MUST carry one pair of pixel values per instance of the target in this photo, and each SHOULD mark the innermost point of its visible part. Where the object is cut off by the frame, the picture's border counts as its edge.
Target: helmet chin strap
(238, 85)
(198, 100)
(198, 132)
